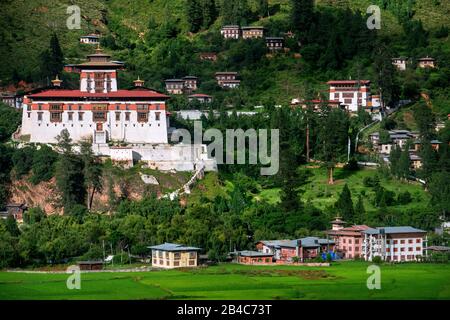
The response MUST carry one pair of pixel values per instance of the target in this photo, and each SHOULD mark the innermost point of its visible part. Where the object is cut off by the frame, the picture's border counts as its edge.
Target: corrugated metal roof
(392, 230)
(173, 247)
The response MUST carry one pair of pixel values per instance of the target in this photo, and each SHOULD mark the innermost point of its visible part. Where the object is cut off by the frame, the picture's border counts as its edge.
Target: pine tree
(385, 74)
(194, 15)
(394, 159)
(359, 210)
(52, 59)
(262, 8)
(344, 205)
(404, 164)
(302, 16)
(209, 12)
(69, 174)
(429, 160)
(92, 172)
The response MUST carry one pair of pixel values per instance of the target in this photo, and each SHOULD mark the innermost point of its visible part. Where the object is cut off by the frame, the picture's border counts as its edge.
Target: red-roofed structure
(98, 110)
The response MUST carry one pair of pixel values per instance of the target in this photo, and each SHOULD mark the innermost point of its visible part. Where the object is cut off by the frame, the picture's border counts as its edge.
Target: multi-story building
(231, 32)
(90, 39)
(252, 32)
(275, 43)
(426, 62)
(190, 84)
(97, 110)
(208, 56)
(202, 98)
(351, 93)
(11, 99)
(400, 63)
(284, 251)
(394, 244)
(174, 86)
(227, 79)
(172, 255)
(348, 240)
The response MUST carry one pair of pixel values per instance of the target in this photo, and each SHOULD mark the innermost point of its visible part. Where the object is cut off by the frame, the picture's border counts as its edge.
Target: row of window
(403, 249)
(70, 107)
(176, 255)
(175, 263)
(96, 116)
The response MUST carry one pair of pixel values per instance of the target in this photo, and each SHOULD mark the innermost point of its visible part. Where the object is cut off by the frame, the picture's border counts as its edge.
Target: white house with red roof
(351, 93)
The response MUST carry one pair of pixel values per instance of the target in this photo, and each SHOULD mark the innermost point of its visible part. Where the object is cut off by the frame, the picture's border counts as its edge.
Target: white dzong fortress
(136, 119)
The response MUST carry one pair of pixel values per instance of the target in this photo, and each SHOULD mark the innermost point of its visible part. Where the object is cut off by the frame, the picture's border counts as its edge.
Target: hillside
(135, 32)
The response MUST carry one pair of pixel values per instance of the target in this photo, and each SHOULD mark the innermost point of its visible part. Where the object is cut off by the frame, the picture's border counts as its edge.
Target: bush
(377, 260)
(404, 198)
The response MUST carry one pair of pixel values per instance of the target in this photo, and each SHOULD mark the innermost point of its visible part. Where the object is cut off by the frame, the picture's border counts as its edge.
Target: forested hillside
(162, 39)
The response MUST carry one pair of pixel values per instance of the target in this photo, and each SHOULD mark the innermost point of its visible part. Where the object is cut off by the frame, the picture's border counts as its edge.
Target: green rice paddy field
(345, 280)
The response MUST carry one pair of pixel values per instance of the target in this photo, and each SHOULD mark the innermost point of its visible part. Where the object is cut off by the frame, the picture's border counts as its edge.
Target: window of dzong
(56, 107)
(142, 107)
(70, 116)
(99, 80)
(99, 116)
(157, 116)
(117, 116)
(80, 116)
(69, 107)
(39, 116)
(142, 116)
(55, 116)
(127, 116)
(108, 83)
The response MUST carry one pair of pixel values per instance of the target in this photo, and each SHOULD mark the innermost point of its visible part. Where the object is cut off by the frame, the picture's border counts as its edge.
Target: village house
(253, 32)
(227, 79)
(190, 84)
(231, 32)
(351, 93)
(275, 43)
(400, 63)
(174, 86)
(172, 255)
(348, 240)
(16, 210)
(252, 257)
(200, 97)
(434, 144)
(304, 249)
(11, 99)
(395, 244)
(415, 161)
(426, 62)
(90, 39)
(208, 56)
(396, 138)
(316, 104)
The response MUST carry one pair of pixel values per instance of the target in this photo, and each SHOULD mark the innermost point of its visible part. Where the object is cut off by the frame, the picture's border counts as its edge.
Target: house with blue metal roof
(173, 255)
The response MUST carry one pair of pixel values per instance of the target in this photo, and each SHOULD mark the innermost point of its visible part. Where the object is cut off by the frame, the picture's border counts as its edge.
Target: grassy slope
(346, 280)
(322, 195)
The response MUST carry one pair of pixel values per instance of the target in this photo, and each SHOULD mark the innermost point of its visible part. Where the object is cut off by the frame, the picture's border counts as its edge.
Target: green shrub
(377, 260)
